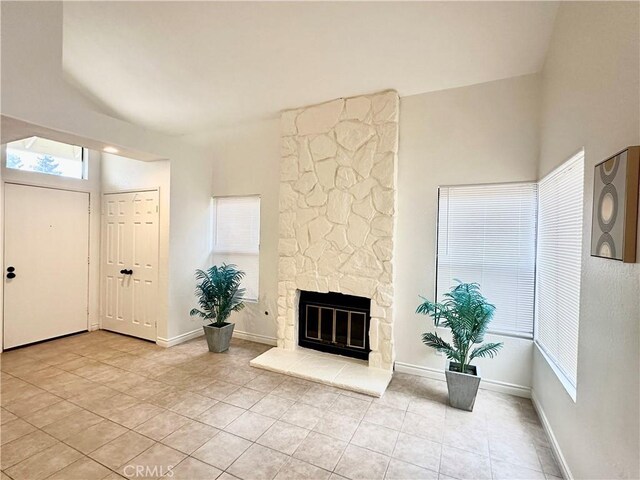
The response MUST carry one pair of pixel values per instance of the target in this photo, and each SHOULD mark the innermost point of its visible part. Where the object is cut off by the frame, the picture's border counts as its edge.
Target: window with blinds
(236, 237)
(487, 235)
(559, 264)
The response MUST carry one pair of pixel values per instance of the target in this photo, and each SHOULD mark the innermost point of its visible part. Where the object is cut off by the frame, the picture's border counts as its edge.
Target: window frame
(84, 160)
(498, 332)
(256, 253)
(563, 377)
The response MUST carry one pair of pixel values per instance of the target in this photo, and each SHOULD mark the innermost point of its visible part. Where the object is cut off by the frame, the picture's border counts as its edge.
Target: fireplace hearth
(335, 323)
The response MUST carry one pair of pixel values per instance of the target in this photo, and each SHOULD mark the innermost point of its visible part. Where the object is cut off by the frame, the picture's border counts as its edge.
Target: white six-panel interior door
(130, 263)
(46, 270)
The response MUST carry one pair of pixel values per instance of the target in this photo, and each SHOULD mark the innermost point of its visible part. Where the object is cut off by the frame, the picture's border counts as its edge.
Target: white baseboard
(253, 337)
(170, 342)
(492, 385)
(555, 446)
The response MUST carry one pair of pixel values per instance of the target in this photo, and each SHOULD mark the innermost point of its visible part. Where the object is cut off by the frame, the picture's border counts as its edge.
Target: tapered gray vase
(218, 338)
(463, 387)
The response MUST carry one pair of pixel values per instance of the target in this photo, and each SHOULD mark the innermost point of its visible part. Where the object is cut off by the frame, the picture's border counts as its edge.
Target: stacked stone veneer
(337, 207)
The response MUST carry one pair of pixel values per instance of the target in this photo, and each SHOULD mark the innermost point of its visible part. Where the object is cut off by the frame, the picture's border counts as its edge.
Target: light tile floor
(104, 406)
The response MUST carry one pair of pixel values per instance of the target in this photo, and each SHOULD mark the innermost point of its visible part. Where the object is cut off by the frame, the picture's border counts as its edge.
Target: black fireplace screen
(334, 323)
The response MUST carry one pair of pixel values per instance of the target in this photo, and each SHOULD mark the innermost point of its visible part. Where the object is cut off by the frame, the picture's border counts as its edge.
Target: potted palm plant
(219, 294)
(467, 314)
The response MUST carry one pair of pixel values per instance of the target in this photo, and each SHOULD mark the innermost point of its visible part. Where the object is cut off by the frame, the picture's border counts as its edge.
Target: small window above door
(40, 155)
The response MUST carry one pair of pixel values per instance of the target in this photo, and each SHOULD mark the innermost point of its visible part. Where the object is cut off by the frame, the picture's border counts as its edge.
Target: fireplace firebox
(335, 323)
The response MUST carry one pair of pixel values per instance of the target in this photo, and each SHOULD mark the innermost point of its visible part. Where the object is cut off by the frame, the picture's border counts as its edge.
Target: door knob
(124, 271)
(10, 273)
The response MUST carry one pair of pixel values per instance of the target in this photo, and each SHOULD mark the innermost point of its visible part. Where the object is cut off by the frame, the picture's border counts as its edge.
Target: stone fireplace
(337, 212)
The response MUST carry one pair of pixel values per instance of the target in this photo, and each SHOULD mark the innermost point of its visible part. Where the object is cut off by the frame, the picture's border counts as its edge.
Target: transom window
(40, 155)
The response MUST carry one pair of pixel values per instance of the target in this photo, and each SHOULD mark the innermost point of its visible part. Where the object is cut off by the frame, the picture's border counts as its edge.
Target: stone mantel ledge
(337, 210)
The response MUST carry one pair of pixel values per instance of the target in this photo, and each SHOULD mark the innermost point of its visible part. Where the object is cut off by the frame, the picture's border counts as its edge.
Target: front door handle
(124, 271)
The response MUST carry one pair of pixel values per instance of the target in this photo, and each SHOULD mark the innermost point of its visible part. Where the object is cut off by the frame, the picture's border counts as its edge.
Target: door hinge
(88, 260)
(157, 208)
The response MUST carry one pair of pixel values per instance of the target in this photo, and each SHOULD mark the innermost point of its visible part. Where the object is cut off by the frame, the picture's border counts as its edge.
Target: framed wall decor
(615, 206)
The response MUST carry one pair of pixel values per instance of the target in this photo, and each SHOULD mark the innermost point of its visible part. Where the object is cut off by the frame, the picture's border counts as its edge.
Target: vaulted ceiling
(184, 67)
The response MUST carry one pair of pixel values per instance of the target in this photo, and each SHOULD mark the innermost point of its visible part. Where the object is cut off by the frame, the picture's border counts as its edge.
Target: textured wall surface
(337, 210)
(591, 100)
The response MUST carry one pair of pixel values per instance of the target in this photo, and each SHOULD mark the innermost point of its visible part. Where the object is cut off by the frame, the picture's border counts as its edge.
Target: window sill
(228, 251)
(522, 336)
(568, 386)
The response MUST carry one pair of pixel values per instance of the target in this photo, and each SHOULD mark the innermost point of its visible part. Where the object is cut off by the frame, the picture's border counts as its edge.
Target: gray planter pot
(218, 338)
(463, 387)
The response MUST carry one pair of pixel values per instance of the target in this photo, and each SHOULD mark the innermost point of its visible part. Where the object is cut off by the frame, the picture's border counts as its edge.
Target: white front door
(46, 270)
(130, 263)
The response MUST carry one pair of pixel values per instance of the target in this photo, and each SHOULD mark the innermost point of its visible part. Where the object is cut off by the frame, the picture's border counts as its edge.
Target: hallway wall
(121, 174)
(36, 91)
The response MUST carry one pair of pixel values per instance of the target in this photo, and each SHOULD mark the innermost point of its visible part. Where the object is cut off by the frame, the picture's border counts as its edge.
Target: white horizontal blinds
(559, 265)
(238, 224)
(236, 237)
(487, 235)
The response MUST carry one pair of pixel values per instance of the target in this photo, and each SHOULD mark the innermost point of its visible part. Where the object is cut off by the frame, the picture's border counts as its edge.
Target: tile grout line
(187, 389)
(62, 441)
(253, 442)
(83, 408)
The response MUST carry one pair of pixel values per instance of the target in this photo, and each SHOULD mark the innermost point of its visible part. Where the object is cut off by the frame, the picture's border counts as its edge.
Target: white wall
(446, 137)
(590, 98)
(120, 174)
(485, 133)
(92, 186)
(247, 162)
(35, 91)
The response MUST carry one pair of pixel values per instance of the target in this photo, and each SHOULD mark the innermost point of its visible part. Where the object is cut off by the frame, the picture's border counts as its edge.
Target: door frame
(4, 227)
(101, 283)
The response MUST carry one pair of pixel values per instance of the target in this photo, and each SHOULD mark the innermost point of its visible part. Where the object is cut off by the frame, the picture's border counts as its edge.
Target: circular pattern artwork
(609, 169)
(615, 200)
(607, 208)
(606, 246)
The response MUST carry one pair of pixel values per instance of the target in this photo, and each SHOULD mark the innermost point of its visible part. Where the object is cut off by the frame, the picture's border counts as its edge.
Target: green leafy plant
(47, 164)
(219, 293)
(13, 161)
(467, 314)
